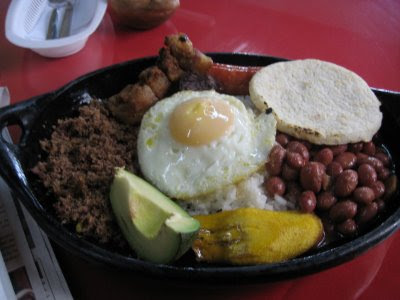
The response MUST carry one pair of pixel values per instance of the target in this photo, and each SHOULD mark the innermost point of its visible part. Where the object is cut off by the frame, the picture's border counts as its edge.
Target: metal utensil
(52, 27)
(66, 21)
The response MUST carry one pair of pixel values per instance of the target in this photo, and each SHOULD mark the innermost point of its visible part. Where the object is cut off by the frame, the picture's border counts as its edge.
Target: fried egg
(196, 142)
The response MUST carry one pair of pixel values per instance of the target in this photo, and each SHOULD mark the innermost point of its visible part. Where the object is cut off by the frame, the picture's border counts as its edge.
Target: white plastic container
(27, 22)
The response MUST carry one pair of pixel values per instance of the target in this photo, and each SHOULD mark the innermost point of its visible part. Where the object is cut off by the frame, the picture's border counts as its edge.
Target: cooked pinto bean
(325, 201)
(347, 227)
(343, 210)
(364, 195)
(311, 177)
(346, 182)
(366, 174)
(327, 182)
(295, 160)
(384, 158)
(390, 186)
(379, 188)
(289, 173)
(296, 146)
(381, 205)
(346, 159)
(293, 191)
(324, 156)
(307, 201)
(373, 161)
(275, 160)
(356, 147)
(275, 186)
(367, 212)
(282, 139)
(369, 148)
(383, 174)
(338, 149)
(334, 169)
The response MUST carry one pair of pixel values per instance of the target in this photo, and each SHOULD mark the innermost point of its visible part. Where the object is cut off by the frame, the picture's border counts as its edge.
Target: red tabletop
(361, 35)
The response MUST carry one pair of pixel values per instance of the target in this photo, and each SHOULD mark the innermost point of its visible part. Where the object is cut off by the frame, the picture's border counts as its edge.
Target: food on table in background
(143, 14)
(156, 227)
(255, 236)
(193, 143)
(317, 101)
(210, 152)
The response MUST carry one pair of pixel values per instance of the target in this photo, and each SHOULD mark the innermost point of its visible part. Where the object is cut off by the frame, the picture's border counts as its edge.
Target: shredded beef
(83, 153)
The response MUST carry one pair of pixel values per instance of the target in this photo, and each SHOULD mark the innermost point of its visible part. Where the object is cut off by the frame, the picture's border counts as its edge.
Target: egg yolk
(200, 121)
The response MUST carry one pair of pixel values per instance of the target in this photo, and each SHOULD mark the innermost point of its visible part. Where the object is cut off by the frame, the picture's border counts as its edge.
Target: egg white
(184, 172)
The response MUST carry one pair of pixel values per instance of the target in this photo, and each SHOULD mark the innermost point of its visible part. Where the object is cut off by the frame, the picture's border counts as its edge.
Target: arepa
(317, 101)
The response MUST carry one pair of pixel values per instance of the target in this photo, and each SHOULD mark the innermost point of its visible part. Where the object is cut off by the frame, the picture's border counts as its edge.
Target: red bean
(383, 174)
(390, 186)
(356, 147)
(343, 210)
(324, 156)
(338, 149)
(329, 227)
(347, 227)
(364, 195)
(293, 191)
(361, 157)
(282, 139)
(289, 173)
(311, 177)
(325, 201)
(345, 183)
(367, 212)
(295, 160)
(307, 201)
(275, 160)
(379, 188)
(346, 159)
(334, 169)
(295, 146)
(307, 144)
(275, 186)
(383, 158)
(369, 148)
(327, 182)
(373, 161)
(366, 174)
(381, 205)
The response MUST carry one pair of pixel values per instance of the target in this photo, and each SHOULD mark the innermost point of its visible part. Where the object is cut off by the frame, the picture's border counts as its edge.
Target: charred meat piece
(156, 80)
(131, 103)
(169, 64)
(188, 57)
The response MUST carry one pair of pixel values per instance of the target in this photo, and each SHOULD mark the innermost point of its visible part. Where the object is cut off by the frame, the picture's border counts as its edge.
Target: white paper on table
(27, 254)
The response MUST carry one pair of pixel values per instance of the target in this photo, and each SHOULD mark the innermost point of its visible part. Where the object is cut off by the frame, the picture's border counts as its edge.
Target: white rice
(247, 193)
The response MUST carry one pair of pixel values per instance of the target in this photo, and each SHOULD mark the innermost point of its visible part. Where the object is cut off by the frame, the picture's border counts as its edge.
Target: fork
(52, 27)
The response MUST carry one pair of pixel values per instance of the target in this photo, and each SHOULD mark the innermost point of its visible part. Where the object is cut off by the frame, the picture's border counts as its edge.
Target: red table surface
(360, 35)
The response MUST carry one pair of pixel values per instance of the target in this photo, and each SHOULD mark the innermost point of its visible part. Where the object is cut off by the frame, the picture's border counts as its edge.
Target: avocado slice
(157, 228)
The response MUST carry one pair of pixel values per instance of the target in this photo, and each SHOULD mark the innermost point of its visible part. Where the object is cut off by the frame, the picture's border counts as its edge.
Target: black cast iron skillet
(36, 116)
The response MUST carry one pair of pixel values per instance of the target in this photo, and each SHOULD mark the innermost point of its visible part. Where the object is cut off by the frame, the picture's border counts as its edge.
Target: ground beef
(82, 155)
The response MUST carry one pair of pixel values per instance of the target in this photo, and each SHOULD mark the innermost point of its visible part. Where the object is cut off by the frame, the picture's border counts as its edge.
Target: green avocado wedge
(155, 227)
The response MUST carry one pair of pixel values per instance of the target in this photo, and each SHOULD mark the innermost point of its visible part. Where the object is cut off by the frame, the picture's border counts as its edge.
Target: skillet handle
(10, 154)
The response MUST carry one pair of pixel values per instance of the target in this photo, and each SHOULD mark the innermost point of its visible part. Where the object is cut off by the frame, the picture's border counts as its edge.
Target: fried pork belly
(177, 57)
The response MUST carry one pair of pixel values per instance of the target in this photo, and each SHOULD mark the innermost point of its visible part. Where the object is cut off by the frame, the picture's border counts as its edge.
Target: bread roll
(317, 101)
